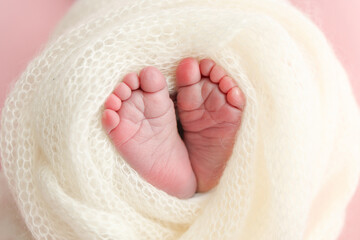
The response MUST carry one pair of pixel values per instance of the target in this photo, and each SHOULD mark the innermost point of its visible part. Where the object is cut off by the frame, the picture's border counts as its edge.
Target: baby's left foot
(210, 107)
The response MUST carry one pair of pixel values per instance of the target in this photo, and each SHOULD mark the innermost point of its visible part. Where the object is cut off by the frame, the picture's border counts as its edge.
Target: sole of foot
(139, 118)
(210, 106)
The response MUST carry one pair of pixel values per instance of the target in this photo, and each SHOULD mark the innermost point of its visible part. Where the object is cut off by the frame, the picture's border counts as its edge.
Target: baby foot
(210, 106)
(140, 119)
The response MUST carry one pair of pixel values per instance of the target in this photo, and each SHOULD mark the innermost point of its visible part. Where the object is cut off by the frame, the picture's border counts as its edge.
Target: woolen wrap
(295, 163)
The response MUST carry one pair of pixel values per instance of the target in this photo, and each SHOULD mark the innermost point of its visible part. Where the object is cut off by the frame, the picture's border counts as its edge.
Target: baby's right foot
(140, 120)
(210, 107)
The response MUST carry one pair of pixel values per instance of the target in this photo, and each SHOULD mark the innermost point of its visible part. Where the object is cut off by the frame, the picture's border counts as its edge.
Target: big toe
(188, 72)
(152, 80)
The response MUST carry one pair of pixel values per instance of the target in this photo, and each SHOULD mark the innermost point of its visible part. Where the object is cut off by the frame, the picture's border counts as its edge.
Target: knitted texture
(295, 163)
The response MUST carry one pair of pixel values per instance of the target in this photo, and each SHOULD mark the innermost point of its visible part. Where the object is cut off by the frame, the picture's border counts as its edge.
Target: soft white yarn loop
(298, 143)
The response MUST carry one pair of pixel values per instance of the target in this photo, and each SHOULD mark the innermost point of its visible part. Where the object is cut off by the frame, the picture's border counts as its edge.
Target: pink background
(26, 24)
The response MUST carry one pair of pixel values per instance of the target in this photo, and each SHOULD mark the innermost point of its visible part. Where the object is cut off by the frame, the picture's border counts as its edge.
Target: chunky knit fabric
(295, 163)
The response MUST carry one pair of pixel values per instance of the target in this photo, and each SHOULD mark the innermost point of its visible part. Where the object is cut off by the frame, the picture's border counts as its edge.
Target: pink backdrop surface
(25, 26)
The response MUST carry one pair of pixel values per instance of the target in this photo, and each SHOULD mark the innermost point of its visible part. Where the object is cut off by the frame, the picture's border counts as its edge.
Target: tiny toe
(236, 98)
(226, 83)
(132, 80)
(152, 80)
(110, 120)
(188, 72)
(205, 66)
(113, 102)
(217, 73)
(122, 91)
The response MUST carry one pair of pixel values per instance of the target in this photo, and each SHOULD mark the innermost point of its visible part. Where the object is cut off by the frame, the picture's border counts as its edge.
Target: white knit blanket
(295, 164)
